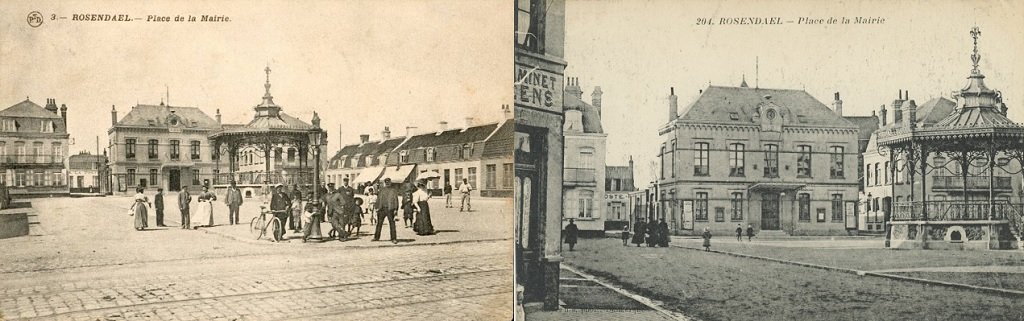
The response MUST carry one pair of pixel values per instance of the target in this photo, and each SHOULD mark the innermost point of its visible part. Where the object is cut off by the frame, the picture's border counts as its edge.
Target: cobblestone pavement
(86, 266)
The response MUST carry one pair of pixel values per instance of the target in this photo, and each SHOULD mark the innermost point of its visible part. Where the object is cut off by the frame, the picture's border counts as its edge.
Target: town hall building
(777, 159)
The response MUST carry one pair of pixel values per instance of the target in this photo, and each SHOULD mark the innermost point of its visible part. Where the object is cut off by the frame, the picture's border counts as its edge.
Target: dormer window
(46, 126)
(8, 125)
(467, 151)
(430, 154)
(403, 157)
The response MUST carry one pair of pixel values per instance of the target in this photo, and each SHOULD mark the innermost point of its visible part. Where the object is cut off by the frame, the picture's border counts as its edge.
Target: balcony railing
(14, 159)
(974, 183)
(953, 210)
(579, 176)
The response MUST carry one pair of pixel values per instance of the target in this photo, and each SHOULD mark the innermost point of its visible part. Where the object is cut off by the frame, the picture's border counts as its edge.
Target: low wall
(13, 223)
(952, 235)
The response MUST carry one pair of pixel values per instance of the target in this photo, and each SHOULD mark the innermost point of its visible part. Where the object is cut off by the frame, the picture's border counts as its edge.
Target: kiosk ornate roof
(979, 114)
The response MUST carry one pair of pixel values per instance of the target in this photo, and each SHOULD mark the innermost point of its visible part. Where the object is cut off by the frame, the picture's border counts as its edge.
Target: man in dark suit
(158, 203)
(348, 201)
(234, 200)
(279, 204)
(183, 199)
(335, 215)
(387, 205)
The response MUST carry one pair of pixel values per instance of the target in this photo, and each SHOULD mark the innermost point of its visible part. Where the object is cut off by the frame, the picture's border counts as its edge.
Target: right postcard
(785, 160)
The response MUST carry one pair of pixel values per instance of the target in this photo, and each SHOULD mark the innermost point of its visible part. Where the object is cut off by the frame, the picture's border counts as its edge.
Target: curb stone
(1002, 292)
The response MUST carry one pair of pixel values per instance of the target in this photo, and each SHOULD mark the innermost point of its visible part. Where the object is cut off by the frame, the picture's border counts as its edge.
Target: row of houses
(477, 153)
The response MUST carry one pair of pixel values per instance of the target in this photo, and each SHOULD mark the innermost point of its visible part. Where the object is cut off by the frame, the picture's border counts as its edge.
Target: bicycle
(259, 225)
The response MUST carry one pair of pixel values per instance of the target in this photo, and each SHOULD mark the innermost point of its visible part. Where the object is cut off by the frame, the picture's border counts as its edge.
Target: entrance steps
(772, 234)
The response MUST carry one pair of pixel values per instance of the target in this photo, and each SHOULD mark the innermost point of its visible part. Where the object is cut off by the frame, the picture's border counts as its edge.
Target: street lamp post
(316, 139)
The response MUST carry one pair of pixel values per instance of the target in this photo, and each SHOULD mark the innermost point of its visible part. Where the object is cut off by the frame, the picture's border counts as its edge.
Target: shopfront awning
(369, 174)
(775, 187)
(399, 174)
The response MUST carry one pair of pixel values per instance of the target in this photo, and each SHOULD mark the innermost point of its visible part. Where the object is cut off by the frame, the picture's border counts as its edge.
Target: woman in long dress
(638, 232)
(204, 214)
(141, 213)
(423, 225)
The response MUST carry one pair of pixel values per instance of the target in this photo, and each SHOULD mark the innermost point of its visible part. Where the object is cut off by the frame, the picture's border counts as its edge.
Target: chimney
(51, 105)
(883, 113)
(64, 115)
(507, 111)
(837, 105)
(595, 99)
(386, 134)
(410, 131)
(673, 104)
(218, 115)
(897, 109)
(113, 115)
(363, 139)
(912, 111)
(469, 122)
(573, 88)
(442, 126)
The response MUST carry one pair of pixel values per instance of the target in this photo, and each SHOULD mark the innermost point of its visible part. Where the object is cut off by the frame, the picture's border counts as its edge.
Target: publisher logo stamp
(35, 19)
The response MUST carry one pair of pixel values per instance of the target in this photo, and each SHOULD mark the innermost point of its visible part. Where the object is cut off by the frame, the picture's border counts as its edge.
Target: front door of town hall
(174, 180)
(769, 211)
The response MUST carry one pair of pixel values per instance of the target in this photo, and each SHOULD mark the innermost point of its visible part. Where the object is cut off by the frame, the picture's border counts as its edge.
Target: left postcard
(256, 161)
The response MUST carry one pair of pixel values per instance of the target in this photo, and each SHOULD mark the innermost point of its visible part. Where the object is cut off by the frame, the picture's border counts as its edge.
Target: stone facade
(34, 149)
(87, 174)
(152, 147)
(777, 159)
(585, 142)
(618, 186)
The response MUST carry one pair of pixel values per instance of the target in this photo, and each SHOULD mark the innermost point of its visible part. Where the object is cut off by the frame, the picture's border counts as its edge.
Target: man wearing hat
(387, 205)
(335, 213)
(183, 205)
(348, 200)
(233, 199)
(279, 204)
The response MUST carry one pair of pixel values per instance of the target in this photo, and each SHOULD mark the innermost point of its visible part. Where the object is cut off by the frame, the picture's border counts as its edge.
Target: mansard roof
(739, 105)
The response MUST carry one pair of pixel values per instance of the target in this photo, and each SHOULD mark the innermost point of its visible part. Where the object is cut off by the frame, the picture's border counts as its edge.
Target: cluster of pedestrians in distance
(652, 233)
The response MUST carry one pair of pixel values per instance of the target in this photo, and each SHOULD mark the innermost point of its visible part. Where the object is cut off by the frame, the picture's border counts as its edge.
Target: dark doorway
(531, 210)
(174, 180)
(769, 211)
(447, 176)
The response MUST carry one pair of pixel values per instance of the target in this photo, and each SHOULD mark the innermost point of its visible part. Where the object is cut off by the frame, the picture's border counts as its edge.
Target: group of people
(654, 234)
(203, 215)
(337, 206)
(465, 189)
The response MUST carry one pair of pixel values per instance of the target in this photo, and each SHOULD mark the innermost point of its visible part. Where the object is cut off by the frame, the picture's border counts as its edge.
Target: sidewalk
(490, 220)
(823, 242)
(584, 297)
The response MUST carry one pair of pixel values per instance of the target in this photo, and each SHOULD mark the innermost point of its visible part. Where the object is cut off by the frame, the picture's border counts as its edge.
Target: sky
(362, 65)
(637, 50)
